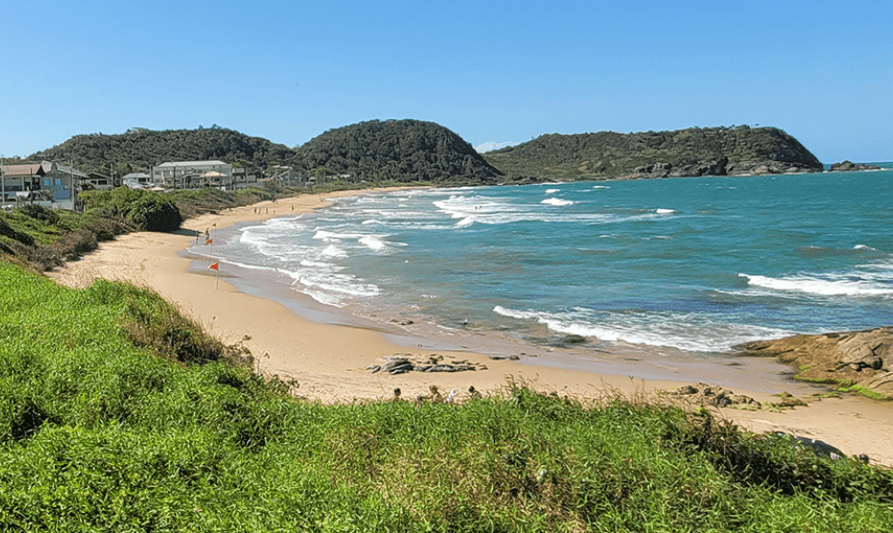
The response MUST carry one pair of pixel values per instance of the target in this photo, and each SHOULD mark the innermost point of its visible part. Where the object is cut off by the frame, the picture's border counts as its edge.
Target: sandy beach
(330, 362)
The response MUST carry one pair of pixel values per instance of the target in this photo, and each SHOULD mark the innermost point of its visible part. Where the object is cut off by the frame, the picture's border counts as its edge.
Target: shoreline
(329, 358)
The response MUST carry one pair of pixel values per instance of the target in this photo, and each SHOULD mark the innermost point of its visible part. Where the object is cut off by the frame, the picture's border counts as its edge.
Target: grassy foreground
(116, 414)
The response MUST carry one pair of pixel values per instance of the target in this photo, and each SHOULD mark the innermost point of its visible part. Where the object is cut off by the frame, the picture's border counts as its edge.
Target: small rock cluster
(712, 395)
(403, 363)
(715, 396)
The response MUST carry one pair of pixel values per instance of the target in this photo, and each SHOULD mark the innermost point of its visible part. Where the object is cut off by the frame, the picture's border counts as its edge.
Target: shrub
(41, 213)
(154, 213)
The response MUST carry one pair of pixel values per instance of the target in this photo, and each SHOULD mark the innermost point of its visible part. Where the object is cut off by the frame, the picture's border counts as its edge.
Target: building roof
(39, 169)
(190, 164)
(27, 169)
(71, 170)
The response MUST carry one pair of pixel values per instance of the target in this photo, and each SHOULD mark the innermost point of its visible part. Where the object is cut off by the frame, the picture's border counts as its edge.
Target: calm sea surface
(696, 264)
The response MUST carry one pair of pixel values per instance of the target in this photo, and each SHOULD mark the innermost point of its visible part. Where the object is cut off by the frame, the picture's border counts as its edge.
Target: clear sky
(491, 71)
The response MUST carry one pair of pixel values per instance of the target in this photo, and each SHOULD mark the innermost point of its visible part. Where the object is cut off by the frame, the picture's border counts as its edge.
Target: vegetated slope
(141, 148)
(690, 152)
(118, 414)
(396, 150)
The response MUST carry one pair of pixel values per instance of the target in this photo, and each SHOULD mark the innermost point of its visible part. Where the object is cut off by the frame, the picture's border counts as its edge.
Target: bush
(148, 210)
(154, 213)
(41, 213)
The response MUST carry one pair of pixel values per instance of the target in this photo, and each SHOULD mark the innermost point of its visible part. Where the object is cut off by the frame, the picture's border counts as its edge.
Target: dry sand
(329, 362)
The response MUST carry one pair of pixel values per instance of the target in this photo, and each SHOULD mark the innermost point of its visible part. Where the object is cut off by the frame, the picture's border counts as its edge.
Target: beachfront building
(286, 175)
(244, 178)
(45, 183)
(137, 180)
(193, 175)
(97, 181)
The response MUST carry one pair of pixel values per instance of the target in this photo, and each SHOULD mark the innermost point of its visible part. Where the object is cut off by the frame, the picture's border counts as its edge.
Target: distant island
(414, 151)
(738, 151)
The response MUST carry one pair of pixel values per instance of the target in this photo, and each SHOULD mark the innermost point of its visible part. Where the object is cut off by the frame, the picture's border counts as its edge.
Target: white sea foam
(685, 331)
(601, 187)
(373, 243)
(333, 251)
(465, 222)
(665, 211)
(829, 285)
(314, 264)
(557, 202)
(551, 191)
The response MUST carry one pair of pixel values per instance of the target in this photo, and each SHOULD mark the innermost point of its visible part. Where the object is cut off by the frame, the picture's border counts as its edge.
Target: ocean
(690, 265)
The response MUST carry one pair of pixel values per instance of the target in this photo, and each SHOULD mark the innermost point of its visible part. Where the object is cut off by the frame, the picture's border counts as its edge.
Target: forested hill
(140, 148)
(690, 152)
(396, 150)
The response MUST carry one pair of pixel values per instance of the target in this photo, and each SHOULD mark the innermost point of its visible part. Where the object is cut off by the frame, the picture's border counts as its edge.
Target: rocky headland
(857, 360)
(737, 151)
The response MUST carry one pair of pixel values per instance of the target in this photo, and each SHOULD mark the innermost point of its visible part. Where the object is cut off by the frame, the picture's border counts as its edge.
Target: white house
(193, 174)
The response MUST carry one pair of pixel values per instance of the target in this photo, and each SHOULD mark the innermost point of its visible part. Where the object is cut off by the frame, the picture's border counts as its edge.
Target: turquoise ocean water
(695, 264)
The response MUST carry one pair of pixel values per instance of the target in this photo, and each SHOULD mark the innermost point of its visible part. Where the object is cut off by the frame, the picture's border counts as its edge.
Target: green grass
(110, 422)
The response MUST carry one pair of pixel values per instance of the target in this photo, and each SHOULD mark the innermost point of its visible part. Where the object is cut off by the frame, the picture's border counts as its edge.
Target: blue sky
(490, 71)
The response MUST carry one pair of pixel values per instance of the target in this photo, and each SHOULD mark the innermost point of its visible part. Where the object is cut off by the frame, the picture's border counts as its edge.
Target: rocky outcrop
(849, 166)
(858, 358)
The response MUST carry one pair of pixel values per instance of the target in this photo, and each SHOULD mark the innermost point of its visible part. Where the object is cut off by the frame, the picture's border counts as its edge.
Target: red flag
(215, 266)
(209, 241)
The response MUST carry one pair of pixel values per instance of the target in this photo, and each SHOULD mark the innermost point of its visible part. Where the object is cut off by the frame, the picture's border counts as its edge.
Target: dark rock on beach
(712, 395)
(860, 358)
(403, 363)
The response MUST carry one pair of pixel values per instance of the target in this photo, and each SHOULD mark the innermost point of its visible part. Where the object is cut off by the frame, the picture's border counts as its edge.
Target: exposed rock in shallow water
(861, 358)
(849, 166)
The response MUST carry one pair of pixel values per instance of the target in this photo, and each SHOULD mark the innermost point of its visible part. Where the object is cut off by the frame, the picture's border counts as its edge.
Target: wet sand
(328, 353)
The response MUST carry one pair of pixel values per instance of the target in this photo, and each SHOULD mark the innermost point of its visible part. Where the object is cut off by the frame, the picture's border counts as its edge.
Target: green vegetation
(45, 238)
(116, 414)
(403, 151)
(141, 148)
(688, 152)
(413, 151)
(149, 211)
(846, 386)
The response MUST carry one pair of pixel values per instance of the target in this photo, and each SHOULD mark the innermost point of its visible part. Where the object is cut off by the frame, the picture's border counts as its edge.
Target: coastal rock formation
(859, 358)
(736, 151)
(849, 166)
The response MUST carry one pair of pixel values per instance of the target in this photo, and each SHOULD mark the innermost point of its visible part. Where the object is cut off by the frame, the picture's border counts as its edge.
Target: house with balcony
(49, 184)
